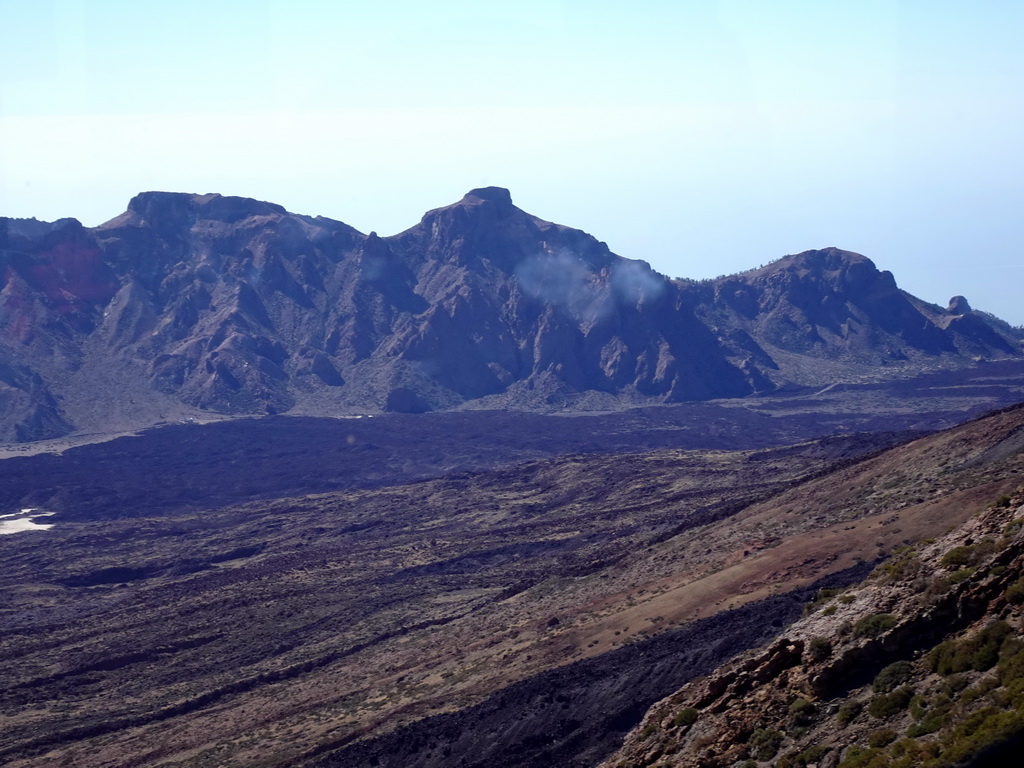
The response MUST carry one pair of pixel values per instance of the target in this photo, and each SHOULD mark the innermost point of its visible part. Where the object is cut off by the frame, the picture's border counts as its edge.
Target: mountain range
(187, 305)
(586, 488)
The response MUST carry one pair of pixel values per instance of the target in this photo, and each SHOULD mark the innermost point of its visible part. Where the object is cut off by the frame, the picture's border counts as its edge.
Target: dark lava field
(461, 588)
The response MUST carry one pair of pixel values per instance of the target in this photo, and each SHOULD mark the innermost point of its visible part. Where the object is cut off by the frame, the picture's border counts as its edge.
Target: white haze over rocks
(565, 280)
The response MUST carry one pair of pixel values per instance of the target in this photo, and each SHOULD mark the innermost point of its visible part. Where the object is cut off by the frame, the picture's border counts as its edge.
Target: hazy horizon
(702, 138)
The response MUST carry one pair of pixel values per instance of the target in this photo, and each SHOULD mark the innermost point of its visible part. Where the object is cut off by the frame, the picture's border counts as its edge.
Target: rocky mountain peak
(33, 228)
(170, 209)
(484, 207)
(497, 195)
(958, 305)
(832, 265)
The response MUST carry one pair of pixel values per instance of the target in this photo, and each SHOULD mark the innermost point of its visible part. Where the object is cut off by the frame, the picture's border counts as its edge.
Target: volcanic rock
(187, 303)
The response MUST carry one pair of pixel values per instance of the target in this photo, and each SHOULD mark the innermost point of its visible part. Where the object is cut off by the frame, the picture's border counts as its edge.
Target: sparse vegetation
(848, 712)
(686, 717)
(918, 720)
(874, 625)
(968, 554)
(1015, 592)
(892, 676)
(882, 738)
(979, 652)
(822, 597)
(764, 743)
(903, 564)
(802, 759)
(819, 649)
(801, 711)
(861, 757)
(979, 731)
(304, 600)
(885, 705)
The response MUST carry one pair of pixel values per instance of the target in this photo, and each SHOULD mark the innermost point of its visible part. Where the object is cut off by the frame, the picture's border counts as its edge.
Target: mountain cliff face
(232, 305)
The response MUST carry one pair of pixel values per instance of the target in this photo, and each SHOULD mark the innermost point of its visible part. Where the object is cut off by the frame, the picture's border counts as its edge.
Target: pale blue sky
(703, 137)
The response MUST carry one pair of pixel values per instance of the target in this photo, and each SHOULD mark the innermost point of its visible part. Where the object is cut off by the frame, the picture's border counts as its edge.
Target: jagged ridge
(237, 306)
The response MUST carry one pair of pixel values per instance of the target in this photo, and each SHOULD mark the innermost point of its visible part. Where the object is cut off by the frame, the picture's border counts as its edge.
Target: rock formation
(230, 305)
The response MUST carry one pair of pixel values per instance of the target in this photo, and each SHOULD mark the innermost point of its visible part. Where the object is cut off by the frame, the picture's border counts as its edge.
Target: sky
(703, 137)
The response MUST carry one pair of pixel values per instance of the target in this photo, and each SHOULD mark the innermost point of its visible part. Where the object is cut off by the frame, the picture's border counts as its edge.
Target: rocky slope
(836, 305)
(921, 665)
(187, 303)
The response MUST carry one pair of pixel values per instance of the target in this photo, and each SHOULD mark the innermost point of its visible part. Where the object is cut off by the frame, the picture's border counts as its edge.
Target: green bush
(888, 704)
(961, 575)
(872, 626)
(903, 565)
(883, 738)
(918, 707)
(848, 711)
(1012, 696)
(940, 658)
(954, 684)
(801, 711)
(929, 717)
(979, 652)
(931, 723)
(819, 649)
(859, 757)
(686, 716)
(809, 756)
(971, 554)
(981, 688)
(815, 753)
(1015, 592)
(908, 753)
(1011, 661)
(764, 744)
(957, 557)
(892, 676)
(979, 731)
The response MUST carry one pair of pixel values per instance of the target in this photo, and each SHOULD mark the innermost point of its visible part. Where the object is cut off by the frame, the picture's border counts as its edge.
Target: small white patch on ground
(17, 522)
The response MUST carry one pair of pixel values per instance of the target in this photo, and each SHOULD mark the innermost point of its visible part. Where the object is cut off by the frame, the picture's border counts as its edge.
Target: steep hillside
(921, 665)
(193, 303)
